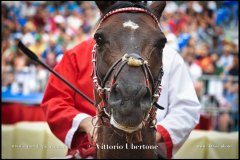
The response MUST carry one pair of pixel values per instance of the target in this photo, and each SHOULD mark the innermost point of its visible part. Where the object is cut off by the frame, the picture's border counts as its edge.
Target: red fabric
(53, 25)
(205, 122)
(206, 64)
(60, 103)
(86, 148)
(177, 26)
(167, 140)
(16, 112)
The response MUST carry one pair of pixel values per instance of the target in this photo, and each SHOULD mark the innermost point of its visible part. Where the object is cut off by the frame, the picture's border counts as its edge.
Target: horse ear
(157, 8)
(103, 5)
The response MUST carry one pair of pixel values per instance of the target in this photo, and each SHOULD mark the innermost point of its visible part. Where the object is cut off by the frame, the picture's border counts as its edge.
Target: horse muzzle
(129, 105)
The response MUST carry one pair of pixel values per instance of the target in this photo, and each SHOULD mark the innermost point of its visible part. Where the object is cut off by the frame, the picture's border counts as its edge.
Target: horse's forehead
(130, 24)
(130, 29)
(130, 21)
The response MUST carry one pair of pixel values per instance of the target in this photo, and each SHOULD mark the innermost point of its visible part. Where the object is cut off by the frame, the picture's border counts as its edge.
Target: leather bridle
(103, 113)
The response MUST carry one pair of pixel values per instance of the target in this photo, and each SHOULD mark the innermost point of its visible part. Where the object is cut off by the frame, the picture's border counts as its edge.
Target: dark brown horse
(127, 71)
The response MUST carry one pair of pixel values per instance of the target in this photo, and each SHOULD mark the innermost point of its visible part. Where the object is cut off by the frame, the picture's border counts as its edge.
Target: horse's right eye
(99, 39)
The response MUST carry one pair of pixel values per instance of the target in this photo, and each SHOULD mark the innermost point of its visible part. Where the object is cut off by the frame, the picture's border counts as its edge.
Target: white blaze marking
(131, 25)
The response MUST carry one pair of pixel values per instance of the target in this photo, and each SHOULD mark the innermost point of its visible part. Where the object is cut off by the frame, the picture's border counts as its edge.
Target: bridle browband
(104, 116)
(128, 9)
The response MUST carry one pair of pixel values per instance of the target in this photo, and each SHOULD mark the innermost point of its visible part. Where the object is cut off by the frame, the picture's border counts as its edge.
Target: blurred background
(204, 33)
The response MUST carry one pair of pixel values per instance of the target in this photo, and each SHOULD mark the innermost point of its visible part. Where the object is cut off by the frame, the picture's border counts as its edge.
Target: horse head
(127, 65)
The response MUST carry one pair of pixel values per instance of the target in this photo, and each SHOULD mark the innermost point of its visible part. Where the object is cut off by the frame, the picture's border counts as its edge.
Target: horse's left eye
(99, 39)
(161, 43)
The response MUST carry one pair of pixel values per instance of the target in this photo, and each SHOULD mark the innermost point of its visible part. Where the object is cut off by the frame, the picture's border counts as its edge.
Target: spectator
(217, 45)
(218, 70)
(226, 59)
(233, 69)
(205, 61)
(194, 69)
(51, 59)
(227, 118)
(39, 47)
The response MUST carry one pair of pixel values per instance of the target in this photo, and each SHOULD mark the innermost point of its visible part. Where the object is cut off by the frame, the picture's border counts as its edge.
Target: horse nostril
(134, 95)
(122, 103)
(146, 98)
(115, 94)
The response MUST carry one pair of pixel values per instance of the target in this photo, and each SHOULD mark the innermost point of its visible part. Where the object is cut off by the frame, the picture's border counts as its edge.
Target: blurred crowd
(48, 29)
(205, 33)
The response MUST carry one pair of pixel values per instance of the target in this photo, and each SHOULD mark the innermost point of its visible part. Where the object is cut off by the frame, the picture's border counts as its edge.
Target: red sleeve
(167, 140)
(60, 104)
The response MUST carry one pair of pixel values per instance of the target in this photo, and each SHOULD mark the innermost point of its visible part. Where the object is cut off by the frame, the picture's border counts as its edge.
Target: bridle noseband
(104, 114)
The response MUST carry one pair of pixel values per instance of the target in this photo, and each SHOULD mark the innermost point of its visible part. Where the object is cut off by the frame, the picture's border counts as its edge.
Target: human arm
(64, 109)
(182, 107)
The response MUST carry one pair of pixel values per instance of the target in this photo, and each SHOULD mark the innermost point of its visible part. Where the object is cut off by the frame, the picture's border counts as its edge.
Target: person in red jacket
(64, 108)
